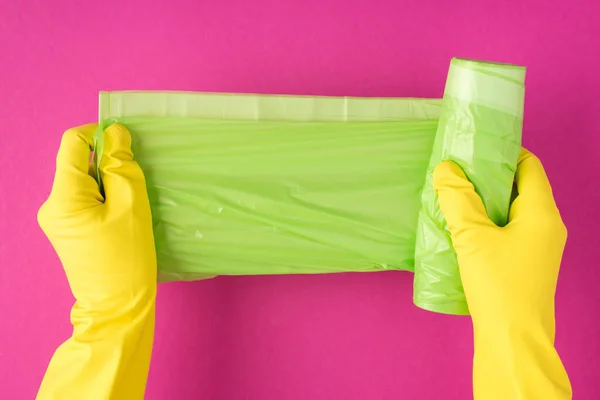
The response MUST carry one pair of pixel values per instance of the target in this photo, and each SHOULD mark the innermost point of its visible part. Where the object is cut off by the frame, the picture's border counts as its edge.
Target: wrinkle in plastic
(264, 184)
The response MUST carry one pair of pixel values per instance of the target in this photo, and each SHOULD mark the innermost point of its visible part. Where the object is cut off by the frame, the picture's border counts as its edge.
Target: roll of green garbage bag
(480, 130)
(265, 184)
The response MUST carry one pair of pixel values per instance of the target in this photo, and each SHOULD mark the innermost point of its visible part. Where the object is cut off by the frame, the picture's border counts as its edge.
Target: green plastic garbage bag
(479, 129)
(264, 184)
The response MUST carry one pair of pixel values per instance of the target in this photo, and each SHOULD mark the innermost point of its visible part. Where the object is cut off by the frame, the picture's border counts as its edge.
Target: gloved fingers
(535, 192)
(73, 187)
(122, 177)
(460, 204)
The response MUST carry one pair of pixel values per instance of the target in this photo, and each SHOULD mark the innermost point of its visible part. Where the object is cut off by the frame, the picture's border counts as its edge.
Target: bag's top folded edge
(123, 104)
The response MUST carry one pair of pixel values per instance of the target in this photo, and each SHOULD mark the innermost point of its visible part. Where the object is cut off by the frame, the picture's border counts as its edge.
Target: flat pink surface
(290, 337)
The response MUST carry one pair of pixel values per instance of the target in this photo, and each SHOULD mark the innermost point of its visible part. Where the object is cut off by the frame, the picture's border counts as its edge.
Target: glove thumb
(123, 179)
(460, 204)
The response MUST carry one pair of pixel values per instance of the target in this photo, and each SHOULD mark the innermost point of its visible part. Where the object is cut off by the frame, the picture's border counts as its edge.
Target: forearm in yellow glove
(106, 246)
(509, 276)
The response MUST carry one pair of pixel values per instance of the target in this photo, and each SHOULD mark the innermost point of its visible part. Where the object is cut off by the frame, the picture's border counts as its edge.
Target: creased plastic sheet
(264, 184)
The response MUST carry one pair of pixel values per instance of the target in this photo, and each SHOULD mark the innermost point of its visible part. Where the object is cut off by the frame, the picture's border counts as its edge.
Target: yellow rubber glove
(509, 276)
(107, 249)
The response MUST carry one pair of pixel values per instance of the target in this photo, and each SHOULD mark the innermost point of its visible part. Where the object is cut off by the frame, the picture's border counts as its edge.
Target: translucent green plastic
(479, 129)
(263, 184)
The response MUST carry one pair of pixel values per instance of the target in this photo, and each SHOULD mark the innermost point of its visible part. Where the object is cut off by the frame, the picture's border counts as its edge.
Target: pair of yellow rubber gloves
(106, 246)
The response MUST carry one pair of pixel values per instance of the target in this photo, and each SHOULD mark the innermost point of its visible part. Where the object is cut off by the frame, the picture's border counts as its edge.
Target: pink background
(290, 337)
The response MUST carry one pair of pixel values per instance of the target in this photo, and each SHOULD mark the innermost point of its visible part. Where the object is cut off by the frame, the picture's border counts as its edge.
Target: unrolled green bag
(264, 184)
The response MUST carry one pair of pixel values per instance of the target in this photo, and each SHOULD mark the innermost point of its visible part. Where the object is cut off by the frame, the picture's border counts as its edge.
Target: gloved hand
(106, 246)
(509, 276)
